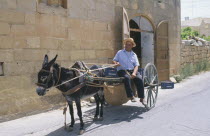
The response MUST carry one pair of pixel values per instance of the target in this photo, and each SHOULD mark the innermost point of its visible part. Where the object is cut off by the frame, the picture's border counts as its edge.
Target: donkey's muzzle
(41, 91)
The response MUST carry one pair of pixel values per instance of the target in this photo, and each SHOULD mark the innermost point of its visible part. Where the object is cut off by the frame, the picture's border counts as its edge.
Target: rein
(76, 88)
(85, 72)
(69, 80)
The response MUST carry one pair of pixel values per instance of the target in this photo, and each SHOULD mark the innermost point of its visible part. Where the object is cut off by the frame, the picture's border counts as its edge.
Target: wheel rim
(151, 82)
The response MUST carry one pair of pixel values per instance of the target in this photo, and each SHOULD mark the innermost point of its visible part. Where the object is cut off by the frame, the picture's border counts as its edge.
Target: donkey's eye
(43, 78)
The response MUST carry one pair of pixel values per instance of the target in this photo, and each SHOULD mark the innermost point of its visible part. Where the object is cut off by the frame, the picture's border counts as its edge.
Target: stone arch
(142, 29)
(147, 17)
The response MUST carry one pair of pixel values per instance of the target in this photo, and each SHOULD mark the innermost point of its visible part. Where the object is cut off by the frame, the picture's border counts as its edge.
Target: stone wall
(194, 54)
(88, 30)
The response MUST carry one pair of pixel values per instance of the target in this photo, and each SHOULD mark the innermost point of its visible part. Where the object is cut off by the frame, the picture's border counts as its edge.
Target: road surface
(183, 111)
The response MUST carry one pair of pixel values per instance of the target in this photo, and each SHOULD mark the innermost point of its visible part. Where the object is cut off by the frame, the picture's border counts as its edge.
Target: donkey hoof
(100, 119)
(95, 118)
(69, 129)
(82, 131)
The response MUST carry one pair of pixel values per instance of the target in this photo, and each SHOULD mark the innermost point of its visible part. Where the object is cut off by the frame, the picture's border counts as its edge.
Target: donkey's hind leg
(97, 107)
(102, 99)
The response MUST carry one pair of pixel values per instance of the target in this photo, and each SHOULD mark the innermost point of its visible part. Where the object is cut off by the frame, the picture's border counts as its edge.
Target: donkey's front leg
(97, 107)
(79, 113)
(71, 110)
(102, 99)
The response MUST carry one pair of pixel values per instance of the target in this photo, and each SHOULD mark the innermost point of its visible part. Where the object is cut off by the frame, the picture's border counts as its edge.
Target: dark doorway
(141, 30)
(137, 38)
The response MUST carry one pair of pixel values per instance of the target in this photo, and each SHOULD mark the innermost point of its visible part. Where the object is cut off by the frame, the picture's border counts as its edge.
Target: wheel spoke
(153, 97)
(150, 99)
(147, 96)
(154, 90)
(147, 81)
(153, 79)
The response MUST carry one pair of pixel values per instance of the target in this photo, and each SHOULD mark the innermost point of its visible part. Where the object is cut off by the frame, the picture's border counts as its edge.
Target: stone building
(202, 25)
(88, 30)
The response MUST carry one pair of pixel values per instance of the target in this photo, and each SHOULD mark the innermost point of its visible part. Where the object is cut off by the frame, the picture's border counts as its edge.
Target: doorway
(141, 30)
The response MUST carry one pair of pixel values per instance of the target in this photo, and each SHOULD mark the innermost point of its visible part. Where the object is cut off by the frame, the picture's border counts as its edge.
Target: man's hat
(129, 40)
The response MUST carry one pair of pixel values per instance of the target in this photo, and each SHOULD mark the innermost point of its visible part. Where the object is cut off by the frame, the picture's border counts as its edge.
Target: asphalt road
(183, 111)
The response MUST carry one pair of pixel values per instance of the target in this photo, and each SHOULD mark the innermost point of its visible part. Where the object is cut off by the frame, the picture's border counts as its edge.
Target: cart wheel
(150, 77)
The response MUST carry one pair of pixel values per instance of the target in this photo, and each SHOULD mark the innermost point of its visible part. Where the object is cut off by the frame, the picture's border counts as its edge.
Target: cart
(114, 90)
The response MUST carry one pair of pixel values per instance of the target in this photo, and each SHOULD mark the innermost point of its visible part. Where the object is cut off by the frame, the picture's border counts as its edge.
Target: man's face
(128, 46)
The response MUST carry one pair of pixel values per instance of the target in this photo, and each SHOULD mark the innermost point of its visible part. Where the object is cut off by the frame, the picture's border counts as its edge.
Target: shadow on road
(112, 115)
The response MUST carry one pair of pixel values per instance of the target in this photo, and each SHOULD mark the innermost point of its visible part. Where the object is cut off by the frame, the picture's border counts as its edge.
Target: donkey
(52, 75)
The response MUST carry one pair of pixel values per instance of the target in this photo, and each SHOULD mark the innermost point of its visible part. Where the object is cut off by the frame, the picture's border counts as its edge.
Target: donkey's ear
(45, 60)
(52, 61)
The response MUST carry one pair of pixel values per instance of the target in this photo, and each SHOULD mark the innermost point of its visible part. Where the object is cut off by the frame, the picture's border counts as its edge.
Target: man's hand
(116, 63)
(133, 75)
(134, 72)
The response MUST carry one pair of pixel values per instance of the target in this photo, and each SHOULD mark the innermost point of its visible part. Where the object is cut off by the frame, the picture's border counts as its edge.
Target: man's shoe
(143, 102)
(133, 99)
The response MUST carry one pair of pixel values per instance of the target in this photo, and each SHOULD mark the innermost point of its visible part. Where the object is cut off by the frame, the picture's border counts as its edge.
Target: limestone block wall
(28, 31)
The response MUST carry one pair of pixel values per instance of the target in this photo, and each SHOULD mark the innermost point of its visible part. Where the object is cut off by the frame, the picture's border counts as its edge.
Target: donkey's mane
(55, 65)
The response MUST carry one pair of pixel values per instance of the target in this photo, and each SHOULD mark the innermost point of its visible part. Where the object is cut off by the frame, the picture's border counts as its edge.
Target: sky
(195, 8)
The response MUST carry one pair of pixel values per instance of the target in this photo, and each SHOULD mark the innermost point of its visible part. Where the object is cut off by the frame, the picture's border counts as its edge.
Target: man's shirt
(127, 60)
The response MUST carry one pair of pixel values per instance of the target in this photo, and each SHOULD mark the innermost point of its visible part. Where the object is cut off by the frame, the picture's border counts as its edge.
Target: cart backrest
(112, 72)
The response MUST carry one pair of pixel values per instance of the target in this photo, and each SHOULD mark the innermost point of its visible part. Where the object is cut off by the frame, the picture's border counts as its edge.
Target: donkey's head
(45, 76)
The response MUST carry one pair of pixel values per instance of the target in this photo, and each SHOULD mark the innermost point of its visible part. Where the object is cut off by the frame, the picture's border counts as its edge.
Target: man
(127, 67)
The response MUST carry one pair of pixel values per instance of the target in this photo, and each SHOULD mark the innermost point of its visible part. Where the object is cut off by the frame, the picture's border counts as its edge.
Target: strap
(94, 84)
(74, 89)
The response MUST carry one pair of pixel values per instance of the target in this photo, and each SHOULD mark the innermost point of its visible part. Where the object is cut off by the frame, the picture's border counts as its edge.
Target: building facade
(88, 30)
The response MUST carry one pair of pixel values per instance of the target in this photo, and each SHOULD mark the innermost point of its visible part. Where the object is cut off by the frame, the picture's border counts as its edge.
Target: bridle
(49, 78)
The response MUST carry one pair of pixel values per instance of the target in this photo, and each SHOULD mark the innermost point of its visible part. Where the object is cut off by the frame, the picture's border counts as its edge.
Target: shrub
(192, 69)
(206, 38)
(188, 31)
(178, 78)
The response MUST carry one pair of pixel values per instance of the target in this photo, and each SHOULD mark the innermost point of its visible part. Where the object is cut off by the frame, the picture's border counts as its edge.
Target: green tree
(188, 31)
(195, 33)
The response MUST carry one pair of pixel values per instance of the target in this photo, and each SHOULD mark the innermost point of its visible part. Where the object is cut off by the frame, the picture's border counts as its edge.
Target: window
(55, 3)
(1, 68)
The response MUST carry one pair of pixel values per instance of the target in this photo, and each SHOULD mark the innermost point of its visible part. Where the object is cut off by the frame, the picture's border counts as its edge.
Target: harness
(81, 84)
(85, 78)
(74, 89)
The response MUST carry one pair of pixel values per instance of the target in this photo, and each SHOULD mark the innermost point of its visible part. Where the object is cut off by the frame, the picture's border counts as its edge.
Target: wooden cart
(114, 89)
